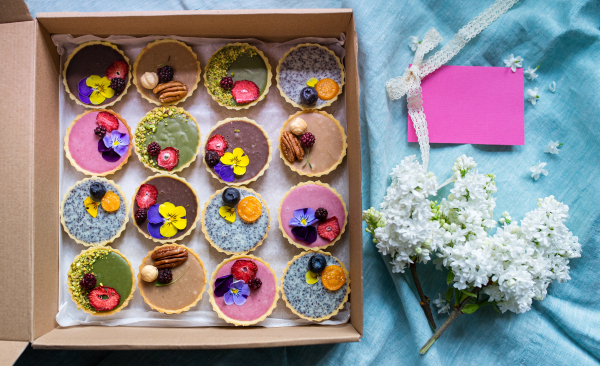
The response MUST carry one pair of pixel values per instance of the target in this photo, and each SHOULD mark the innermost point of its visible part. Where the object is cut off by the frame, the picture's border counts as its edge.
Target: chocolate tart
(237, 237)
(328, 150)
(81, 226)
(259, 304)
(240, 61)
(81, 144)
(169, 127)
(183, 293)
(303, 62)
(312, 194)
(170, 52)
(93, 58)
(111, 268)
(177, 191)
(246, 134)
(312, 301)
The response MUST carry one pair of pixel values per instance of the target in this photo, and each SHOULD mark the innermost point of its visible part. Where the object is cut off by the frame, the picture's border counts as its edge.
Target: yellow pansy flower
(91, 206)
(238, 159)
(174, 219)
(228, 213)
(102, 89)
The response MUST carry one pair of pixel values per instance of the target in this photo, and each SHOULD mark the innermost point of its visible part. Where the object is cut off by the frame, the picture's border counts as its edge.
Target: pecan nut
(169, 257)
(171, 91)
(291, 148)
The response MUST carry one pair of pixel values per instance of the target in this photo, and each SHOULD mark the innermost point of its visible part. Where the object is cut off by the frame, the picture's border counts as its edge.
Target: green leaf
(449, 294)
(470, 308)
(462, 297)
(496, 308)
(167, 284)
(469, 293)
(450, 277)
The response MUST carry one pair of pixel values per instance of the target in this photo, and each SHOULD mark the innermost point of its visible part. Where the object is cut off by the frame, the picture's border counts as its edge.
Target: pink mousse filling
(311, 196)
(83, 145)
(257, 303)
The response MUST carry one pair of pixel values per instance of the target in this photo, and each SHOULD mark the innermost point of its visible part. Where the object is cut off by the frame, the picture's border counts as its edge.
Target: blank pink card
(473, 105)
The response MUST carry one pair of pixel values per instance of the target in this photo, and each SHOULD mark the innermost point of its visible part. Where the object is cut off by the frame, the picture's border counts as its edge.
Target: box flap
(10, 351)
(14, 11)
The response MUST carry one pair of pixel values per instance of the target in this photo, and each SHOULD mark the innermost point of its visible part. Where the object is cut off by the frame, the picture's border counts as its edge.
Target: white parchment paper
(278, 179)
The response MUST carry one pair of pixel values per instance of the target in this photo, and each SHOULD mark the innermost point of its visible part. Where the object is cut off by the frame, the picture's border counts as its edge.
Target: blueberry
(317, 263)
(308, 96)
(97, 191)
(231, 197)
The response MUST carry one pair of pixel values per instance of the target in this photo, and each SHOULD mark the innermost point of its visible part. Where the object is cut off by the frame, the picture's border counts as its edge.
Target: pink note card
(473, 105)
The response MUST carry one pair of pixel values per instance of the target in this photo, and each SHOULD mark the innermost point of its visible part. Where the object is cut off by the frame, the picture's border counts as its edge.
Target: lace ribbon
(410, 82)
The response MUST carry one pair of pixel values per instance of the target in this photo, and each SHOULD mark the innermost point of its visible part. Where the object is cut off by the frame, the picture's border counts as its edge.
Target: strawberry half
(97, 300)
(168, 158)
(146, 196)
(118, 69)
(244, 270)
(108, 121)
(245, 91)
(217, 143)
(329, 229)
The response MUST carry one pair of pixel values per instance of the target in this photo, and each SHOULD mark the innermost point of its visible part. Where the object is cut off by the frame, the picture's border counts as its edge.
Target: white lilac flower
(505, 219)
(514, 62)
(532, 95)
(552, 86)
(442, 305)
(413, 42)
(536, 170)
(530, 73)
(552, 147)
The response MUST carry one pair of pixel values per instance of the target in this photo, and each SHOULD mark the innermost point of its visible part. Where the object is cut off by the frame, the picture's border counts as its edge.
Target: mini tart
(251, 138)
(81, 226)
(181, 295)
(259, 304)
(329, 148)
(177, 191)
(313, 195)
(169, 127)
(312, 301)
(92, 58)
(305, 61)
(81, 144)
(237, 237)
(246, 62)
(111, 268)
(182, 59)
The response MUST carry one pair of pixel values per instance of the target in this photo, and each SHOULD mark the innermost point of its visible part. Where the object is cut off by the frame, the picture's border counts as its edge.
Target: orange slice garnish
(333, 277)
(111, 202)
(249, 209)
(327, 88)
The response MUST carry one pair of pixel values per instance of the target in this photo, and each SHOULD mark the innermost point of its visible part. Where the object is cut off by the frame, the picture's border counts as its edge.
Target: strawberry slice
(217, 143)
(97, 300)
(108, 121)
(245, 91)
(118, 69)
(329, 229)
(168, 158)
(146, 196)
(244, 270)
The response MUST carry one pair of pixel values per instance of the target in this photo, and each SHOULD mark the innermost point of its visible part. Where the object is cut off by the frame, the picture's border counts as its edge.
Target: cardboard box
(30, 216)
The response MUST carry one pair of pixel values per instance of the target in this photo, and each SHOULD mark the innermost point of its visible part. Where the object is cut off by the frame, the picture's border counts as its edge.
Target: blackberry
(227, 82)
(118, 85)
(153, 149)
(255, 283)
(165, 74)
(140, 215)
(212, 158)
(100, 131)
(164, 276)
(307, 140)
(321, 214)
(88, 281)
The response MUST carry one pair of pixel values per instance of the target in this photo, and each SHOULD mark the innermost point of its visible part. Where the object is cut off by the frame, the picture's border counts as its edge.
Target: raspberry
(212, 158)
(321, 214)
(118, 85)
(140, 215)
(153, 149)
(97, 300)
(307, 140)
(88, 281)
(100, 131)
(227, 82)
(244, 269)
(165, 74)
(255, 283)
(164, 276)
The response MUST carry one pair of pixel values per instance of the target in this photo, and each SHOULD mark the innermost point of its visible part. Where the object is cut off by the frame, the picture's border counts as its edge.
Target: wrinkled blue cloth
(563, 329)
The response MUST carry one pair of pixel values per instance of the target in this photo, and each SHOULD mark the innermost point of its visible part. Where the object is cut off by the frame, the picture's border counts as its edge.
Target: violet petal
(111, 156)
(85, 99)
(228, 297)
(85, 90)
(154, 216)
(154, 230)
(102, 146)
(222, 285)
(226, 173)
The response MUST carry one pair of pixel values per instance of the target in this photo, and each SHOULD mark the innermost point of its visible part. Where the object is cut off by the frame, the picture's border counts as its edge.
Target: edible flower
(530, 73)
(532, 96)
(237, 294)
(91, 206)
(232, 164)
(311, 277)
(413, 43)
(113, 146)
(312, 82)
(95, 89)
(536, 170)
(301, 223)
(228, 213)
(552, 147)
(442, 305)
(514, 62)
(165, 220)
(222, 285)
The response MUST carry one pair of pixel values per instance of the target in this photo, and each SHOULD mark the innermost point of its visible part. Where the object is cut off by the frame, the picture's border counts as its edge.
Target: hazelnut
(149, 273)
(149, 80)
(298, 126)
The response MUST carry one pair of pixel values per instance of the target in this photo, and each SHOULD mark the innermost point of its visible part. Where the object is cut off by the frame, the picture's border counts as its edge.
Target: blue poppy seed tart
(312, 301)
(81, 225)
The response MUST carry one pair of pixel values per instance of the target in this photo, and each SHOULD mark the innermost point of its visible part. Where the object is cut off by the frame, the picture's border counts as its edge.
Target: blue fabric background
(563, 36)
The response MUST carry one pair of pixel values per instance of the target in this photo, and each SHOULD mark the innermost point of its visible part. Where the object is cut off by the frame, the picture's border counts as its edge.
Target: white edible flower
(552, 147)
(552, 86)
(532, 95)
(530, 73)
(536, 170)
(413, 42)
(514, 62)
(442, 305)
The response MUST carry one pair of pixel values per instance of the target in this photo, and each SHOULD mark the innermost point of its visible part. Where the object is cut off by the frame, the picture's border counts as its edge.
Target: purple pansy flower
(225, 172)
(301, 223)
(155, 222)
(237, 294)
(85, 91)
(222, 285)
(113, 146)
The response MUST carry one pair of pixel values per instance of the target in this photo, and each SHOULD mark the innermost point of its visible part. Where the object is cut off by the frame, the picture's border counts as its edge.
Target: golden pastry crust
(328, 102)
(185, 308)
(342, 132)
(190, 88)
(263, 170)
(303, 247)
(125, 303)
(167, 240)
(304, 316)
(72, 160)
(212, 243)
(267, 86)
(218, 310)
(64, 74)
(64, 224)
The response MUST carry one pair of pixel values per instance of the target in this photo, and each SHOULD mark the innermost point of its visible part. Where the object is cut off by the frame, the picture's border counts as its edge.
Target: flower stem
(424, 299)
